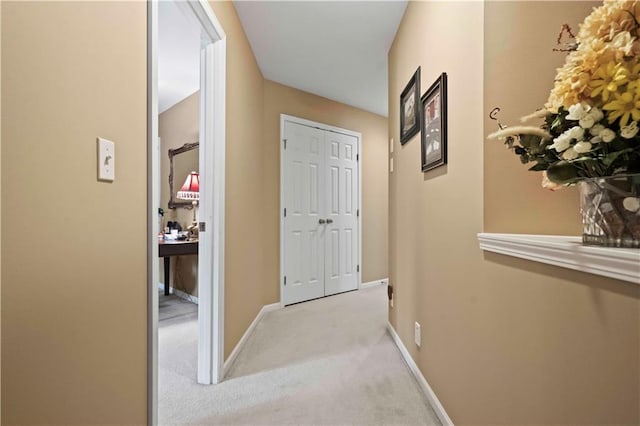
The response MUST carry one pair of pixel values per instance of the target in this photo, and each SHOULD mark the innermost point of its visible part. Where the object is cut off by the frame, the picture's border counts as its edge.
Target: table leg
(167, 275)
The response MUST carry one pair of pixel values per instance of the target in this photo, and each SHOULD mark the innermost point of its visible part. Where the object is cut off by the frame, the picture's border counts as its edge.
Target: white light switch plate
(106, 160)
(417, 334)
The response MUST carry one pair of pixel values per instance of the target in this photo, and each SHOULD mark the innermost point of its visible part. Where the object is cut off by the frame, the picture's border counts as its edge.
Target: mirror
(182, 161)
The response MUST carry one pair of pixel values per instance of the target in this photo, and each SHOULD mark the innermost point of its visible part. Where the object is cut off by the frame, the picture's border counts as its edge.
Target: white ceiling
(335, 49)
(178, 54)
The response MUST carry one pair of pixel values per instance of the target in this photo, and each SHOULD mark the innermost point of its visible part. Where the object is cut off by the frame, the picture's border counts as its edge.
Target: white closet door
(303, 233)
(341, 192)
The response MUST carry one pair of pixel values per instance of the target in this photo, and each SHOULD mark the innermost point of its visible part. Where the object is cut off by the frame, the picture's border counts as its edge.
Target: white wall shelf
(567, 252)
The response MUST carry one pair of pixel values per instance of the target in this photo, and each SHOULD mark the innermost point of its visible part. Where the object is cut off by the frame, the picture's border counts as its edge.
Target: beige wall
(245, 245)
(178, 125)
(74, 320)
(279, 99)
(0, 209)
(504, 341)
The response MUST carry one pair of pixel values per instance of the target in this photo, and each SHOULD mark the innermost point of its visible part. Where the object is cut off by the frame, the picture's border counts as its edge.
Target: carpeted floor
(324, 362)
(171, 306)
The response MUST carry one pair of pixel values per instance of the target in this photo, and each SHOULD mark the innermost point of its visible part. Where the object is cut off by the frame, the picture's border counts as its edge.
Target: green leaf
(562, 172)
(608, 159)
(539, 167)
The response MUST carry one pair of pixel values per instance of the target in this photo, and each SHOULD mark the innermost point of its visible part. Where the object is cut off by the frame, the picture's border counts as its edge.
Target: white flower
(561, 143)
(582, 147)
(607, 135)
(576, 133)
(596, 113)
(570, 154)
(587, 121)
(577, 111)
(630, 130)
(596, 130)
(596, 139)
(631, 204)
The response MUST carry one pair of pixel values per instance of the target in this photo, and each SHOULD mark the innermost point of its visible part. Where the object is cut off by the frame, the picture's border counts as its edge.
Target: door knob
(321, 221)
(329, 220)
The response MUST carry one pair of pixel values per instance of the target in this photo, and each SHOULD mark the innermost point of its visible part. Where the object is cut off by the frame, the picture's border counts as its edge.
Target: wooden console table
(168, 248)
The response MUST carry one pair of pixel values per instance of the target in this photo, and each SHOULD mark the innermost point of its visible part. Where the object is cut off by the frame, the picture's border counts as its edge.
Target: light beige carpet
(324, 362)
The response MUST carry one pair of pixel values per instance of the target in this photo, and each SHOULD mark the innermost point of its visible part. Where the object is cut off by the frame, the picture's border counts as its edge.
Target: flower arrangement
(591, 119)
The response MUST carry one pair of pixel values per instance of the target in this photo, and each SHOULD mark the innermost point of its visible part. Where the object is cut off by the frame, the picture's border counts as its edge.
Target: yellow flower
(606, 21)
(608, 78)
(625, 106)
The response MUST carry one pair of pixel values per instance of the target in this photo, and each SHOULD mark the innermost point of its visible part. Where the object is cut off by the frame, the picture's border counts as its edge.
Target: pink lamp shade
(191, 188)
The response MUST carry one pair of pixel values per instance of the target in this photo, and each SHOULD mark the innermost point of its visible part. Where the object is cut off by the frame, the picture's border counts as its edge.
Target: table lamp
(191, 191)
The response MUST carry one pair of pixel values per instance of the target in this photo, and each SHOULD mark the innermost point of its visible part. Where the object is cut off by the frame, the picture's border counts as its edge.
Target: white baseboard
(422, 382)
(243, 340)
(384, 281)
(180, 294)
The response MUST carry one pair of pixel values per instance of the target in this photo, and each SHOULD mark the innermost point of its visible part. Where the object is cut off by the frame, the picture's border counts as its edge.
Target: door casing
(284, 118)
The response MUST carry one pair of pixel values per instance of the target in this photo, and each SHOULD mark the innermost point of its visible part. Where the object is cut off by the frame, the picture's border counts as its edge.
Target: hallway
(328, 361)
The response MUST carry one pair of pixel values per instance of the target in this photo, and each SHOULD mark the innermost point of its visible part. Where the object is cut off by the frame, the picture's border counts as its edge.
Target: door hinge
(358, 268)
(285, 143)
(357, 157)
(285, 212)
(202, 226)
(358, 212)
(285, 280)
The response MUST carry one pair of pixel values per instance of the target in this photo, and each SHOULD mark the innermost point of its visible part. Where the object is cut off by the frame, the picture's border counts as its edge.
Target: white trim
(321, 126)
(218, 228)
(208, 19)
(243, 341)
(212, 175)
(422, 382)
(384, 281)
(181, 294)
(153, 201)
(567, 252)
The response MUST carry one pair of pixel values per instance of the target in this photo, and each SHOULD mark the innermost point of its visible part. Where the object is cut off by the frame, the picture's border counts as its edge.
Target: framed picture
(434, 124)
(409, 109)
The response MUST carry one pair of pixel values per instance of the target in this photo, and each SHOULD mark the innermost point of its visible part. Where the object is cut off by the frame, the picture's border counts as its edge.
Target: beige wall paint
(74, 320)
(178, 125)
(279, 99)
(245, 277)
(0, 209)
(505, 341)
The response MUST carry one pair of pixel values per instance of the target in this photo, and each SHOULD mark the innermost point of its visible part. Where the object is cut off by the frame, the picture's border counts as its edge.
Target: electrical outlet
(417, 335)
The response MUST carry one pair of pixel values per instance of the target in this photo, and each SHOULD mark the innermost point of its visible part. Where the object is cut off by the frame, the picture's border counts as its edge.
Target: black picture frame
(433, 123)
(410, 108)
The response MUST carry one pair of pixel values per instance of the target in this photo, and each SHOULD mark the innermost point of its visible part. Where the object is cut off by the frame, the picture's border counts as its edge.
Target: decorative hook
(494, 116)
(568, 46)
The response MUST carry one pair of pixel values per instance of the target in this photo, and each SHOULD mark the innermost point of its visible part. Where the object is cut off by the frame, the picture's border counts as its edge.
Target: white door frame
(321, 126)
(211, 294)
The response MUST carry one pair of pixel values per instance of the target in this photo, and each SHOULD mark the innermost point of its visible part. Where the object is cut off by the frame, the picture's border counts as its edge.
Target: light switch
(106, 160)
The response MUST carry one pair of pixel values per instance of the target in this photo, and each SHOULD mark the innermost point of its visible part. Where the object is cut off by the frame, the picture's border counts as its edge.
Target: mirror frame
(173, 203)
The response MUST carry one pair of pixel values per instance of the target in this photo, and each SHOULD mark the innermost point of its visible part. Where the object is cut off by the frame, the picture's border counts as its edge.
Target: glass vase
(610, 209)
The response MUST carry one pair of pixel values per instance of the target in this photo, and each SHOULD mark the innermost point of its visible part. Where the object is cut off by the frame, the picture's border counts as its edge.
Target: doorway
(210, 217)
(320, 200)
